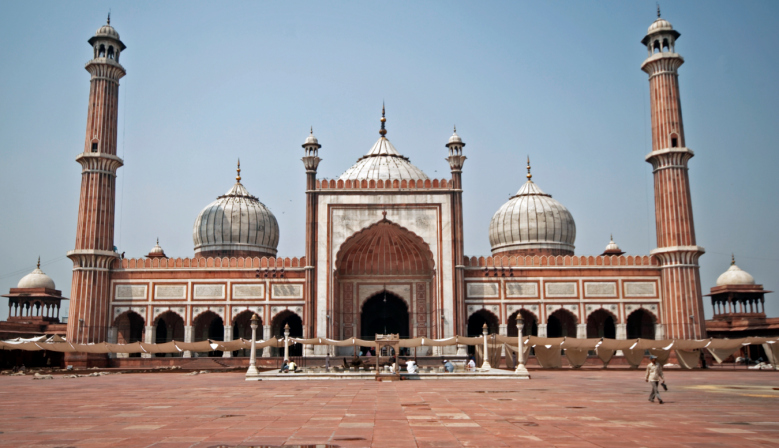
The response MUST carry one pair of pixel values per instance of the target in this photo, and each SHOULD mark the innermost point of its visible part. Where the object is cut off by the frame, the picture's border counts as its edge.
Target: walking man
(654, 375)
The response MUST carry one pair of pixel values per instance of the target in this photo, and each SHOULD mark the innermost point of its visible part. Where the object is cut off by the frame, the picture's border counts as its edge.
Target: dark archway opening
(529, 329)
(561, 324)
(209, 326)
(476, 325)
(384, 313)
(170, 327)
(641, 324)
(295, 331)
(129, 329)
(601, 324)
(242, 329)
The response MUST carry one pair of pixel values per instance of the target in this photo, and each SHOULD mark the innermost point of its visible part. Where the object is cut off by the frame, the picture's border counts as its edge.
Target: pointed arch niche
(384, 257)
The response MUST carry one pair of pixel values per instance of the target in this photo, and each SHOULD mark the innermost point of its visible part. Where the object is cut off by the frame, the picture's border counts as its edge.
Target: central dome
(237, 224)
(532, 223)
(383, 162)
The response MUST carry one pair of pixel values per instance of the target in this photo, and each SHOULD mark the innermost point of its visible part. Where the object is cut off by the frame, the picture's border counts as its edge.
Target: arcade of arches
(385, 281)
(562, 323)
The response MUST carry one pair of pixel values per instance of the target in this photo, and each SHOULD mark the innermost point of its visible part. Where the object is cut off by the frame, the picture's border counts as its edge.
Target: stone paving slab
(556, 408)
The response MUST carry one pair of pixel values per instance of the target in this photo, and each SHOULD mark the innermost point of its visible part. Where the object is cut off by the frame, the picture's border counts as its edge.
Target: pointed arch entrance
(384, 313)
(384, 277)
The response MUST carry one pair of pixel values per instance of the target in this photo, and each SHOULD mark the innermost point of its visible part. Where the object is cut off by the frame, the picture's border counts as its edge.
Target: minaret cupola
(106, 42)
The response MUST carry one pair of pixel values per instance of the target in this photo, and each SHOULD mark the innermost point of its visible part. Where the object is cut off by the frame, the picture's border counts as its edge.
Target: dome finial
(39, 261)
(455, 129)
(732, 259)
(529, 176)
(383, 130)
(108, 22)
(658, 10)
(312, 130)
(238, 177)
(158, 241)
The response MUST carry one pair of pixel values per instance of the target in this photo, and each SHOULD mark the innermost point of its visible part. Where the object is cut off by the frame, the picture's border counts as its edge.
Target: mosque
(384, 249)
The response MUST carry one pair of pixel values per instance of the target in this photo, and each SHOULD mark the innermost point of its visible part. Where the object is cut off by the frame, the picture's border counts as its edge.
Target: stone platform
(275, 375)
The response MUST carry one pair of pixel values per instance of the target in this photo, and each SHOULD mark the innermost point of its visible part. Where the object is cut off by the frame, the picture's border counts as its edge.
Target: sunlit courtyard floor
(555, 408)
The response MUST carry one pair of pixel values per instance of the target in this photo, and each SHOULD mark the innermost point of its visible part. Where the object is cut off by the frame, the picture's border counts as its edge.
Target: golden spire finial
(383, 130)
(312, 130)
(238, 177)
(658, 10)
(158, 241)
(39, 261)
(611, 237)
(455, 129)
(732, 259)
(108, 22)
(529, 176)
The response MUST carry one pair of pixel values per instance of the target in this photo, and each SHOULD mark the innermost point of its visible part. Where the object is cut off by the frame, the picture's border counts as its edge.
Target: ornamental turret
(676, 247)
(94, 254)
(456, 161)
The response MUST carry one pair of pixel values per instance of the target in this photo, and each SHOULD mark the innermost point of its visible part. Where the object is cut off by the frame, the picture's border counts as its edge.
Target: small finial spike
(611, 237)
(529, 176)
(455, 129)
(158, 241)
(383, 130)
(312, 130)
(658, 10)
(108, 22)
(732, 259)
(39, 261)
(238, 177)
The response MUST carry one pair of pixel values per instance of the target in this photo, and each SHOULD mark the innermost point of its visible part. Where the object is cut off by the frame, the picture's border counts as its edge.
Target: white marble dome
(735, 276)
(532, 222)
(383, 162)
(660, 25)
(236, 224)
(107, 31)
(36, 279)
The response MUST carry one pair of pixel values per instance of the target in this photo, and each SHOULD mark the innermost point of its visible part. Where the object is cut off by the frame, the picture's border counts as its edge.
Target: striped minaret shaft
(677, 252)
(94, 254)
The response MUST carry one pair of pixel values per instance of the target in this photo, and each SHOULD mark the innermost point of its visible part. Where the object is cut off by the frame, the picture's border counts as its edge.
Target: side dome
(36, 279)
(237, 224)
(735, 276)
(532, 223)
(383, 162)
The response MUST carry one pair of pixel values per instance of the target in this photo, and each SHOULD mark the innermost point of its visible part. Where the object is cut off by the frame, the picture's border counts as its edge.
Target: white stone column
(659, 331)
(265, 336)
(113, 339)
(581, 331)
(149, 338)
(189, 332)
(228, 336)
(541, 330)
(622, 331)
(503, 331)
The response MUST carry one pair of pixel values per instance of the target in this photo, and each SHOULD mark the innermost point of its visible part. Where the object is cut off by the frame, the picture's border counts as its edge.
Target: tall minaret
(676, 249)
(456, 161)
(311, 162)
(88, 318)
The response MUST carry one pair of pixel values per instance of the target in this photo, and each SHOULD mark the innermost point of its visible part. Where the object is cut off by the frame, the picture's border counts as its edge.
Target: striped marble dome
(237, 224)
(531, 223)
(383, 162)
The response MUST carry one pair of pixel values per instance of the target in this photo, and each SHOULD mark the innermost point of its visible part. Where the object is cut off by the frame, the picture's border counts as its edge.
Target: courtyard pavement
(555, 408)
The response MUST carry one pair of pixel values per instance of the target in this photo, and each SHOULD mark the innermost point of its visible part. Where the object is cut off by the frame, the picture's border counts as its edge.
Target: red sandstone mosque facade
(384, 248)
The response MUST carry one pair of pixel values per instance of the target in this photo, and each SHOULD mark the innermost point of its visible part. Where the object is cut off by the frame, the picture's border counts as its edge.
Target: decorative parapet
(405, 184)
(212, 263)
(561, 261)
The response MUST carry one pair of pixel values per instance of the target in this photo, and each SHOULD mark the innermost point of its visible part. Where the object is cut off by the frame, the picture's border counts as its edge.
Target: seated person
(472, 365)
(448, 366)
(292, 366)
(284, 367)
(411, 367)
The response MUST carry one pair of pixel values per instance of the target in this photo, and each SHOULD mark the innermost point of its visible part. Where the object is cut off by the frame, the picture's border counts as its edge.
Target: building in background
(384, 249)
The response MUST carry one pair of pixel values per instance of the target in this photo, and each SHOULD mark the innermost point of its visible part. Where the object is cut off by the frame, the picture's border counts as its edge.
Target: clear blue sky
(559, 81)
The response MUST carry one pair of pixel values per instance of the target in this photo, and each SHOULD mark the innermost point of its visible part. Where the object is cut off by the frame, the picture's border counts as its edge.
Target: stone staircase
(204, 364)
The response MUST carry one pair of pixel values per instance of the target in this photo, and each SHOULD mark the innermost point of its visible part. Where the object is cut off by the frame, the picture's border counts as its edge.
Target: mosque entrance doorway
(641, 324)
(601, 324)
(384, 313)
(385, 283)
